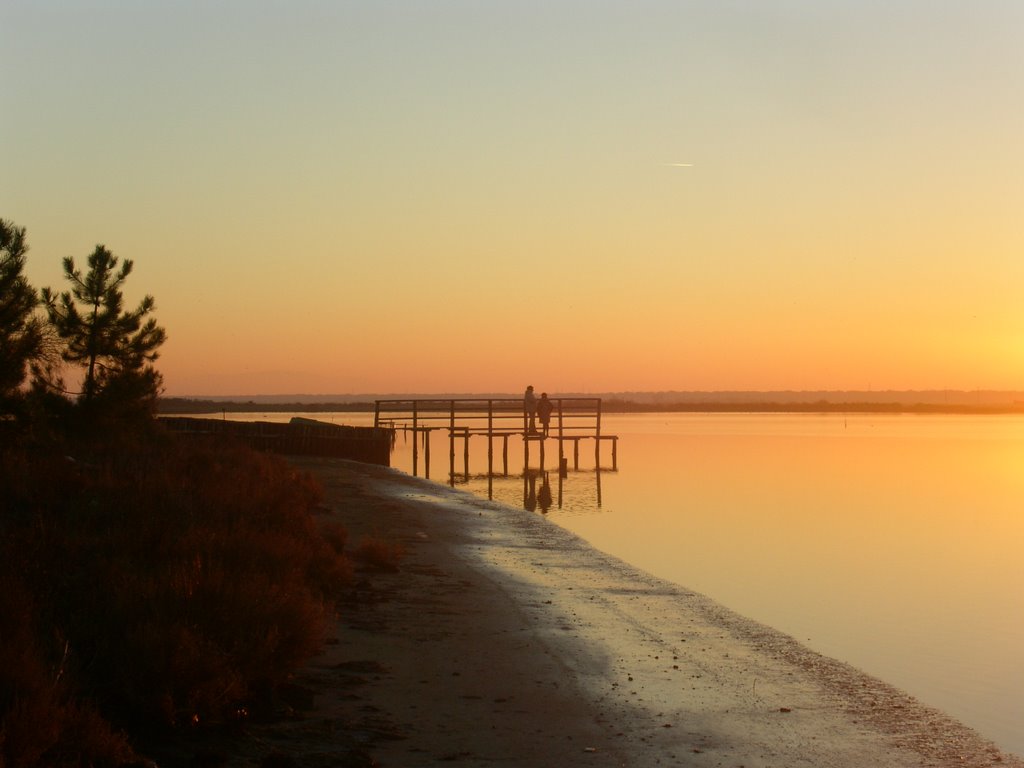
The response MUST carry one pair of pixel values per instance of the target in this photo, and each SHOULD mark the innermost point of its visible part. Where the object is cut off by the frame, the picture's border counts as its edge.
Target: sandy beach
(503, 639)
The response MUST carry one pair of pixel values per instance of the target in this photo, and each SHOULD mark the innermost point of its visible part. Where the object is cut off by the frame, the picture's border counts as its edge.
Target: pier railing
(572, 420)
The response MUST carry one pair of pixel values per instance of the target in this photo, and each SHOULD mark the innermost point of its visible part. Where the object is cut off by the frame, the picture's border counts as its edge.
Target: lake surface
(892, 542)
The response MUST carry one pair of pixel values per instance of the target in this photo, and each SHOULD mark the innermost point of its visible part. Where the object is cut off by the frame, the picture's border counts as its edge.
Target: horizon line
(618, 392)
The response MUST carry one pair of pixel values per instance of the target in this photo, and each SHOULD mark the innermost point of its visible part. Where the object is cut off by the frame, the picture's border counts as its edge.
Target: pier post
(561, 433)
(465, 455)
(415, 435)
(597, 437)
(504, 454)
(451, 446)
(426, 452)
(490, 449)
(490, 438)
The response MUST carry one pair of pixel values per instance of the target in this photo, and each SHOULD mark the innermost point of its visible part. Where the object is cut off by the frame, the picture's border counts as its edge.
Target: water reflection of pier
(573, 420)
(537, 489)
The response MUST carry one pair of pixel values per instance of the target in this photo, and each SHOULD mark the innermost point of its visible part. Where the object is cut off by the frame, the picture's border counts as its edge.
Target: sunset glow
(460, 197)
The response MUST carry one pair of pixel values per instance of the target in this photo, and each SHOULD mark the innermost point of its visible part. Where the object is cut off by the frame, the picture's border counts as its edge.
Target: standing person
(544, 408)
(530, 406)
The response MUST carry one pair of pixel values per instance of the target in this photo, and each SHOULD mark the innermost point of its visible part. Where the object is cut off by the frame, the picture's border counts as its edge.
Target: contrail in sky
(679, 165)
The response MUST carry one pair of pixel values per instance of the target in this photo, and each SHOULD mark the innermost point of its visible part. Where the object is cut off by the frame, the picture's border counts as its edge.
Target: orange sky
(457, 196)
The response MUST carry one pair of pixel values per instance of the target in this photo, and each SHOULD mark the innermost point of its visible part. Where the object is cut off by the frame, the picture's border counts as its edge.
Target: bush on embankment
(148, 585)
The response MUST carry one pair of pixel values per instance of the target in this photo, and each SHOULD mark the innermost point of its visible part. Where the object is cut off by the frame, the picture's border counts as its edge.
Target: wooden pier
(572, 420)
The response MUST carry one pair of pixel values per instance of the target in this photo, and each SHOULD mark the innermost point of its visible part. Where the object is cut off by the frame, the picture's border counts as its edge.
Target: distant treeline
(822, 406)
(957, 404)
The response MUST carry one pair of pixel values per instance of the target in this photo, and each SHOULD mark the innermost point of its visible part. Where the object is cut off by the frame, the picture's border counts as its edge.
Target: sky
(469, 196)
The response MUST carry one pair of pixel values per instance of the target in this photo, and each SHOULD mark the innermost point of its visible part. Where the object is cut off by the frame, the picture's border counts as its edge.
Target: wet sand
(504, 639)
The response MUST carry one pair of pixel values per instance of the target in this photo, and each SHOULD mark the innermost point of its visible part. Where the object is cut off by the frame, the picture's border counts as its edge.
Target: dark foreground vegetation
(151, 588)
(154, 589)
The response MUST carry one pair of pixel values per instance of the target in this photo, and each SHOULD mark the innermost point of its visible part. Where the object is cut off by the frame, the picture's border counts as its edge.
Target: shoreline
(504, 637)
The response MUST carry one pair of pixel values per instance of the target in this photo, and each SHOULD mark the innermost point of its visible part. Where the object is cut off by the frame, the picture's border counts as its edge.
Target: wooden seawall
(299, 437)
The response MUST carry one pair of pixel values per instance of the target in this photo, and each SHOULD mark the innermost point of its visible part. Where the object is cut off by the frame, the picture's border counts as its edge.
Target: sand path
(505, 640)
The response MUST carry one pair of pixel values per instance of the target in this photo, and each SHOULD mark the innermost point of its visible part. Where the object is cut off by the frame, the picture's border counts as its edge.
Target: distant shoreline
(179, 405)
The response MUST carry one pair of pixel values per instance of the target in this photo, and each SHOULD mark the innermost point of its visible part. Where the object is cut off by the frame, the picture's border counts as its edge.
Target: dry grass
(41, 721)
(153, 584)
(378, 553)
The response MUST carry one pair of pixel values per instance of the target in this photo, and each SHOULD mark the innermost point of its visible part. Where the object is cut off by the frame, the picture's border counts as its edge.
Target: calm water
(895, 543)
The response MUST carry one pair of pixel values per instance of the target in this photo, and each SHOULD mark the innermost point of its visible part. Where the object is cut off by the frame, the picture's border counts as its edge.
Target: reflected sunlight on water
(892, 542)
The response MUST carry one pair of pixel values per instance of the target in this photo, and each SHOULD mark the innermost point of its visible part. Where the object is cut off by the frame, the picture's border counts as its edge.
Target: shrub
(378, 553)
(166, 580)
(40, 721)
(335, 534)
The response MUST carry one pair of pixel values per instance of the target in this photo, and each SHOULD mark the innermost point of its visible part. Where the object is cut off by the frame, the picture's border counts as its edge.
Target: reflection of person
(529, 490)
(530, 406)
(544, 408)
(544, 495)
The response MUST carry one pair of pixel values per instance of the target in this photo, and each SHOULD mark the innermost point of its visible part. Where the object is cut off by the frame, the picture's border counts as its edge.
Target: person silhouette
(544, 408)
(530, 407)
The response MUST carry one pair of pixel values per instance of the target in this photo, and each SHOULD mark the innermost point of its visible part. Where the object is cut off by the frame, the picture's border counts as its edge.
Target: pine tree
(21, 331)
(114, 346)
